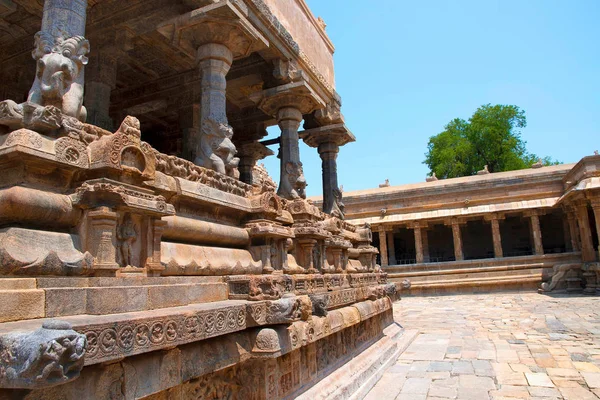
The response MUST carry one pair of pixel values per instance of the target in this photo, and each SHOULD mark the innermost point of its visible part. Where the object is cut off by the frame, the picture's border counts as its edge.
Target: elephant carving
(59, 78)
(293, 185)
(216, 150)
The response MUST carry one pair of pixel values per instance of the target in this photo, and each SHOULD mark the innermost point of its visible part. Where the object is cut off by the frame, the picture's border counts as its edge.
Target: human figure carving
(216, 150)
(127, 234)
(59, 77)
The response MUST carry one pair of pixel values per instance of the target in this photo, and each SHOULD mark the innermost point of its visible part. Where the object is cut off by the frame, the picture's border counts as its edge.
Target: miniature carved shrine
(143, 252)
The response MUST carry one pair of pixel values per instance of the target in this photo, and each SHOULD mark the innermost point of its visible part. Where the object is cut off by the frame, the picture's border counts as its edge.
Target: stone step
(466, 275)
(356, 377)
(490, 269)
(529, 282)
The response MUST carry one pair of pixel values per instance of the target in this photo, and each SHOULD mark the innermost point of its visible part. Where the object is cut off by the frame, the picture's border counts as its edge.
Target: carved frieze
(135, 336)
(120, 194)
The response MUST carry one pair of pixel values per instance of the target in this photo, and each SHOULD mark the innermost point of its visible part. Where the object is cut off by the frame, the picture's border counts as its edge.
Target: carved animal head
(59, 63)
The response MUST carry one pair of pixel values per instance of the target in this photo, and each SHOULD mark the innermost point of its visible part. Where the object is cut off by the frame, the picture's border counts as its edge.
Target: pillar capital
(494, 217)
(536, 212)
(417, 225)
(217, 23)
(249, 154)
(298, 95)
(214, 52)
(594, 200)
(454, 221)
(337, 134)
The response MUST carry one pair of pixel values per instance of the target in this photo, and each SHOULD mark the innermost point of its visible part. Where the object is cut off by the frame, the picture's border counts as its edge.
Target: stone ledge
(112, 337)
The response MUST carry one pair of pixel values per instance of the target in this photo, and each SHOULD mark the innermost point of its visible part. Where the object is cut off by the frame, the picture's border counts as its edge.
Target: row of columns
(202, 35)
(576, 218)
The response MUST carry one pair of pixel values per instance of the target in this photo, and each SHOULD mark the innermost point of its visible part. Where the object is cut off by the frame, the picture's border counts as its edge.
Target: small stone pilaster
(101, 240)
(307, 247)
(338, 260)
(153, 264)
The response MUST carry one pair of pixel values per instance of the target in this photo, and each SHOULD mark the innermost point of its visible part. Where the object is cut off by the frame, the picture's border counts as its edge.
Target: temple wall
(302, 25)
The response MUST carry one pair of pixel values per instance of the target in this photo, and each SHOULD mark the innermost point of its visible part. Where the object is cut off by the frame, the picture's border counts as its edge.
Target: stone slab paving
(497, 346)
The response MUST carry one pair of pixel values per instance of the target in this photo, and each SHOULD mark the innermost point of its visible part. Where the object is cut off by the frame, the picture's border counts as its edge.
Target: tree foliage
(492, 137)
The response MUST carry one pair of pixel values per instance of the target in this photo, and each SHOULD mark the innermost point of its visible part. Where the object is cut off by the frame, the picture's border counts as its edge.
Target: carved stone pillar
(391, 248)
(216, 35)
(536, 232)
(567, 234)
(496, 236)
(457, 238)
(588, 252)
(291, 179)
(249, 154)
(327, 140)
(383, 250)
(419, 244)
(189, 122)
(573, 229)
(288, 103)
(101, 79)
(64, 17)
(213, 146)
(328, 153)
(425, 241)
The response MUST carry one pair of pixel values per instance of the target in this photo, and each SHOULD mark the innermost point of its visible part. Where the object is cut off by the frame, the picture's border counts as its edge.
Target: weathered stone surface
(16, 305)
(51, 355)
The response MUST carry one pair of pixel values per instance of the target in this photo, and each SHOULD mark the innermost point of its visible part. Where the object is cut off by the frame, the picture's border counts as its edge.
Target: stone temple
(143, 252)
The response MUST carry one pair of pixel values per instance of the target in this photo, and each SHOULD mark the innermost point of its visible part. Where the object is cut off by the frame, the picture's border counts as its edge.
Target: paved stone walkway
(497, 346)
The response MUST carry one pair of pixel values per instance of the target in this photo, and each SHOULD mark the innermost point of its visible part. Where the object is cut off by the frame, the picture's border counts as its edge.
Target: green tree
(492, 137)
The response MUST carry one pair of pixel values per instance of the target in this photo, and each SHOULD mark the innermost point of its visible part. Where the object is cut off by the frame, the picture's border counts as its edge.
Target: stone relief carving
(261, 180)
(51, 355)
(127, 234)
(216, 150)
(338, 206)
(559, 274)
(293, 184)
(59, 76)
(180, 168)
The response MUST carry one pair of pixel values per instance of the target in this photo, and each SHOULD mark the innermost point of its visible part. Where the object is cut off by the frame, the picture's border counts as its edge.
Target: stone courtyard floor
(497, 346)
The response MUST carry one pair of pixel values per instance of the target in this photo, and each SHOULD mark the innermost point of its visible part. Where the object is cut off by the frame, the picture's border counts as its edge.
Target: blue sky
(404, 69)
